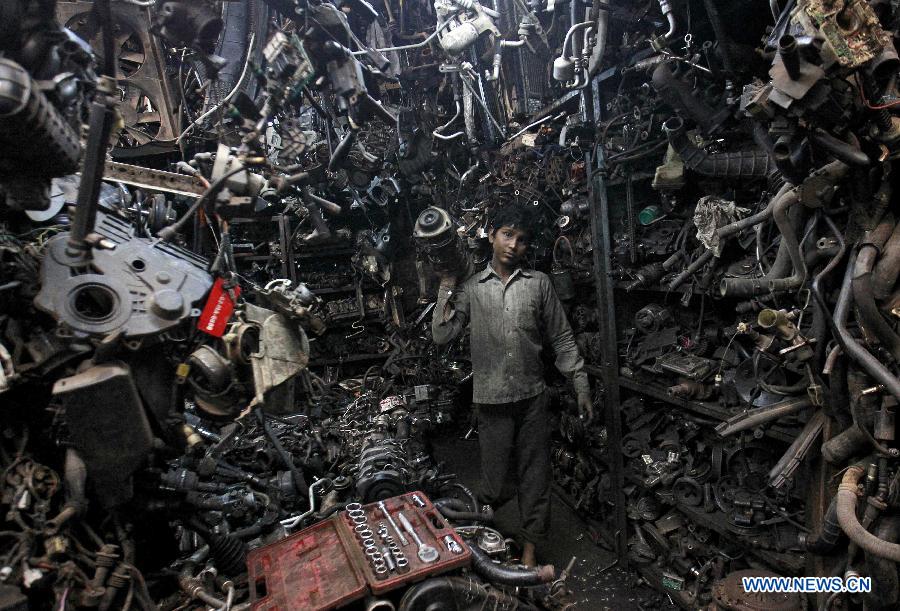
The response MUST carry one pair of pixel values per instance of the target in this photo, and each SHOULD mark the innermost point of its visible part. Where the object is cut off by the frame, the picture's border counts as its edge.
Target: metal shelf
(790, 563)
(702, 408)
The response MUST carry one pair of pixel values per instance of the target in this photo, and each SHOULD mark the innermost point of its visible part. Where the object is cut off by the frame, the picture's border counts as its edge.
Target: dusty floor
(597, 583)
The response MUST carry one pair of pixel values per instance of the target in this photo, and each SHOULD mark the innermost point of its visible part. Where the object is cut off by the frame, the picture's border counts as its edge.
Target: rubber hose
(792, 245)
(725, 42)
(679, 96)
(496, 573)
(888, 267)
(830, 535)
(846, 512)
(599, 50)
(788, 250)
(840, 150)
(745, 223)
(456, 510)
(342, 150)
(296, 474)
(790, 158)
(740, 164)
(473, 502)
(885, 583)
(852, 348)
(849, 443)
(699, 262)
(818, 333)
(870, 317)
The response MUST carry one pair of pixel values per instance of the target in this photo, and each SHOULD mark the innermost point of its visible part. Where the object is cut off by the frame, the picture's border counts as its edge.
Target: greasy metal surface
(153, 180)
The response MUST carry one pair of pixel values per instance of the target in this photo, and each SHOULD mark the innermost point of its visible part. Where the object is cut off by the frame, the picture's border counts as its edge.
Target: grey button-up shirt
(509, 324)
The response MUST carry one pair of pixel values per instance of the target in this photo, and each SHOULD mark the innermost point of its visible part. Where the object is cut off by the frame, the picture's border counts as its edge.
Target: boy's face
(509, 245)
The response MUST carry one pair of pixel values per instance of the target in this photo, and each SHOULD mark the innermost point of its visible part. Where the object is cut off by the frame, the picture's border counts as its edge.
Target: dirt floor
(597, 582)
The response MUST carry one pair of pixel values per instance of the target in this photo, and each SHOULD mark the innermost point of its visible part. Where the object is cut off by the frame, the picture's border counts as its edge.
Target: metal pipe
(538, 122)
(572, 30)
(431, 36)
(853, 349)
(667, 11)
(487, 111)
(292, 522)
(759, 416)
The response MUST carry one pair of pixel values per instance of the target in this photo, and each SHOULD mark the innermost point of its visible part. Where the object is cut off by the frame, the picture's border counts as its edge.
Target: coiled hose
(846, 512)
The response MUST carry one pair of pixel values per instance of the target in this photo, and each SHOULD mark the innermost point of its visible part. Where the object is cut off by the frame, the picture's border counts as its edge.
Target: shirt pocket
(528, 314)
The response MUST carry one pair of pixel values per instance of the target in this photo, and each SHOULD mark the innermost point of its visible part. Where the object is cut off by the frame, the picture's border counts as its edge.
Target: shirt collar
(488, 271)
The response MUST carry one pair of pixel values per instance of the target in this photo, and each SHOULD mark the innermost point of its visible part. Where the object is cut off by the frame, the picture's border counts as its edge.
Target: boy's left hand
(585, 408)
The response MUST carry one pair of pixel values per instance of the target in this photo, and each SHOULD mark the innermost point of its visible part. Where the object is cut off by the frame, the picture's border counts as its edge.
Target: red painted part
(324, 567)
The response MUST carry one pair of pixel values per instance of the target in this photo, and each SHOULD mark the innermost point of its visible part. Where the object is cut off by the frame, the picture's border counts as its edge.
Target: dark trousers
(515, 456)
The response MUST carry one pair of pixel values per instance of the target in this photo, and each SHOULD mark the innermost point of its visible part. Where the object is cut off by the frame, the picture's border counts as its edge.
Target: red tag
(218, 309)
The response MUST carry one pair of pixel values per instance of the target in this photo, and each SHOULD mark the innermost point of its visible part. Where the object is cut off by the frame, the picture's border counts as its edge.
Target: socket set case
(325, 566)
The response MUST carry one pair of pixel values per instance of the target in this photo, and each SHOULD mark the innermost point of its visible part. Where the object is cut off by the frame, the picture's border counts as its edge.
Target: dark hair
(512, 216)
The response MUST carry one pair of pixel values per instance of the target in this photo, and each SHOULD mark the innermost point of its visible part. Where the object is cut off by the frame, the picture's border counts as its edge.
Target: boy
(513, 311)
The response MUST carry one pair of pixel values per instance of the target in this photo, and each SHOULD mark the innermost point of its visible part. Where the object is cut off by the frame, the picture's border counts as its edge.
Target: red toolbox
(325, 567)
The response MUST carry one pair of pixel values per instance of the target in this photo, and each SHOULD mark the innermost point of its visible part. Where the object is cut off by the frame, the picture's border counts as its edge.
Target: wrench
(403, 541)
(427, 554)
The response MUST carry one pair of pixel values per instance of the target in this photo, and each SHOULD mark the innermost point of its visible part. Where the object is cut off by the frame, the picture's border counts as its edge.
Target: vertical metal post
(606, 311)
(99, 129)
(288, 269)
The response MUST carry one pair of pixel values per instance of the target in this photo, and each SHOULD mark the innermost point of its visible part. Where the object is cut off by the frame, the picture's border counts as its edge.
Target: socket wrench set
(403, 539)
(377, 547)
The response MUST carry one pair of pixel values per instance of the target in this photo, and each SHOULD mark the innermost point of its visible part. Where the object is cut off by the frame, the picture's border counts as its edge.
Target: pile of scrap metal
(748, 165)
(219, 223)
(206, 238)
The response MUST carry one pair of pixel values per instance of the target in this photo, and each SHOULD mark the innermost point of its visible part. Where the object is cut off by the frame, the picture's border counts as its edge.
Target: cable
(226, 99)
(405, 47)
(862, 94)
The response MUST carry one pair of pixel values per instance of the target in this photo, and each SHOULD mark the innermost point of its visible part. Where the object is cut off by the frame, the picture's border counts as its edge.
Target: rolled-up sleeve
(559, 333)
(451, 314)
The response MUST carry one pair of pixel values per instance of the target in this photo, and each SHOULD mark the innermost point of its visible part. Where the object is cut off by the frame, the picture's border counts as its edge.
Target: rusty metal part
(152, 180)
(729, 595)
